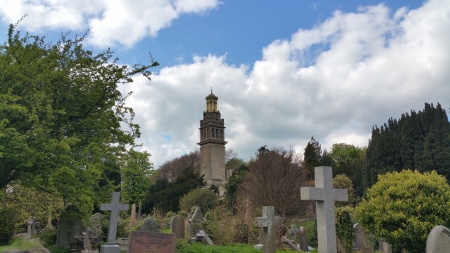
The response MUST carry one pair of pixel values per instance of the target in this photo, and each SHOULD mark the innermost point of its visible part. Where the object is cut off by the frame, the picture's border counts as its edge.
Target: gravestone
(87, 246)
(150, 225)
(29, 224)
(303, 241)
(325, 195)
(114, 207)
(69, 227)
(293, 233)
(268, 223)
(438, 240)
(133, 216)
(94, 228)
(144, 241)
(359, 242)
(384, 246)
(177, 226)
(195, 219)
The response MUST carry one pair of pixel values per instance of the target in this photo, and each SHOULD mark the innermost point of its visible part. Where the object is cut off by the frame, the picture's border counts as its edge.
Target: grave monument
(114, 207)
(268, 223)
(325, 195)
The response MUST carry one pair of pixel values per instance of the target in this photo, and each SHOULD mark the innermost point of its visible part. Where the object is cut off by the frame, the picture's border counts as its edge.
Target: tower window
(213, 132)
(221, 133)
(217, 133)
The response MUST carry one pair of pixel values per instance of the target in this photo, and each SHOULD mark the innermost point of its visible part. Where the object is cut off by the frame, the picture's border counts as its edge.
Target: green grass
(165, 231)
(21, 244)
(185, 247)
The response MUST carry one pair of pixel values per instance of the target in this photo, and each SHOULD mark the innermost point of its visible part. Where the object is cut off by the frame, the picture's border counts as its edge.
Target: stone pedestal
(110, 249)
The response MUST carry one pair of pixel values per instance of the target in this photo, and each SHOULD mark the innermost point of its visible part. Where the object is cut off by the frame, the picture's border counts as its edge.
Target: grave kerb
(114, 207)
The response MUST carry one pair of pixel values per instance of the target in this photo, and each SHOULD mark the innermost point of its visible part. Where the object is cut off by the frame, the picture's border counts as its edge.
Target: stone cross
(29, 230)
(325, 195)
(268, 223)
(114, 207)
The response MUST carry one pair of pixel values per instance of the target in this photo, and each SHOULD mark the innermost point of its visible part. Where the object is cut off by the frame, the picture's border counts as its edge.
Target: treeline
(419, 140)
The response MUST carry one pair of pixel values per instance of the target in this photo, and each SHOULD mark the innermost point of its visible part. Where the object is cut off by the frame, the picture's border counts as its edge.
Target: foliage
(417, 140)
(183, 213)
(175, 167)
(48, 238)
(58, 249)
(312, 156)
(7, 225)
(185, 247)
(165, 196)
(61, 117)
(26, 202)
(274, 180)
(19, 243)
(349, 160)
(203, 198)
(344, 227)
(402, 207)
(341, 181)
(233, 183)
(136, 173)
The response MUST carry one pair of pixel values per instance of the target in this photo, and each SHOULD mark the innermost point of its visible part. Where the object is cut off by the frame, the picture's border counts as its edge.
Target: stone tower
(212, 145)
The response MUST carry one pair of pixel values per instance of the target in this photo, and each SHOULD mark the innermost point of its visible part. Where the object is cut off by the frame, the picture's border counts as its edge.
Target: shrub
(6, 226)
(203, 198)
(402, 207)
(183, 214)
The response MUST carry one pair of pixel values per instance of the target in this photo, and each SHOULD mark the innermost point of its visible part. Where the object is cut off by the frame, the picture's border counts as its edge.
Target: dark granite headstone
(150, 225)
(303, 240)
(177, 226)
(148, 242)
(438, 240)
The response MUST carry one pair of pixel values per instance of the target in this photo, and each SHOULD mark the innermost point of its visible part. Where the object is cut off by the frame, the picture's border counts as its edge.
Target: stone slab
(148, 242)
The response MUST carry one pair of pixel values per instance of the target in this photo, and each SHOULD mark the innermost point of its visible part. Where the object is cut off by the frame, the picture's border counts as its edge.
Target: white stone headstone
(438, 240)
(114, 207)
(325, 195)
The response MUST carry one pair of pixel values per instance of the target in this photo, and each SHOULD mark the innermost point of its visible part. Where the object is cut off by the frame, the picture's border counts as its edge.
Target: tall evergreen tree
(312, 156)
(416, 141)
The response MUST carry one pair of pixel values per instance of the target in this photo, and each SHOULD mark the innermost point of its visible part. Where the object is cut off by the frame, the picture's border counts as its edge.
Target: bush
(203, 198)
(183, 214)
(6, 226)
(48, 238)
(344, 227)
(402, 207)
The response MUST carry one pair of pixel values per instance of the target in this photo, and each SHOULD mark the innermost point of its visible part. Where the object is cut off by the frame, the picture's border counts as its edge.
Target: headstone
(144, 241)
(303, 241)
(438, 240)
(359, 242)
(133, 216)
(69, 227)
(325, 195)
(268, 222)
(196, 215)
(294, 232)
(384, 246)
(94, 228)
(86, 240)
(150, 225)
(114, 207)
(177, 226)
(29, 224)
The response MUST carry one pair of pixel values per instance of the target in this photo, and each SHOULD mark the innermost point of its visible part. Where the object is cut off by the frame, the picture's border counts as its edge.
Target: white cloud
(334, 81)
(109, 21)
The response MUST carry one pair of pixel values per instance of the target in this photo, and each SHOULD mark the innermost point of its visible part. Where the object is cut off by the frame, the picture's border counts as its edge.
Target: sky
(284, 71)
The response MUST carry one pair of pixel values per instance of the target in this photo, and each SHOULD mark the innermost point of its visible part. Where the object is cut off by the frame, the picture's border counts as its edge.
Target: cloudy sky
(283, 70)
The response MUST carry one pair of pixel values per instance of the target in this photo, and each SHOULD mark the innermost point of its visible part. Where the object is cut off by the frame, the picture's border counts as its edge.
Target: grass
(185, 247)
(21, 244)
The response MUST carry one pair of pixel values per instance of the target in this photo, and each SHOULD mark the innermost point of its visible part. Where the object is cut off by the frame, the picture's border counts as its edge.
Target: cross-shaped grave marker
(325, 195)
(268, 223)
(114, 207)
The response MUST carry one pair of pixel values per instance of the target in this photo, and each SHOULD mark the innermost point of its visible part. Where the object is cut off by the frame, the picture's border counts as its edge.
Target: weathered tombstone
(150, 225)
(69, 227)
(195, 219)
(177, 226)
(133, 216)
(384, 246)
(325, 195)
(87, 246)
(294, 232)
(359, 242)
(29, 224)
(94, 228)
(144, 241)
(268, 223)
(114, 207)
(438, 240)
(303, 241)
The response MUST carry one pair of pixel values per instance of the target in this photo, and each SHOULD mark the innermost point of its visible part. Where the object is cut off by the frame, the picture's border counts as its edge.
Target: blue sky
(283, 70)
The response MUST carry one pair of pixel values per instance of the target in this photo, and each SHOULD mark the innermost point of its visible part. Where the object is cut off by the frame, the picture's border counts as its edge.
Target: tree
(349, 160)
(312, 156)
(233, 184)
(136, 173)
(61, 117)
(341, 181)
(274, 179)
(175, 167)
(402, 207)
(419, 140)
